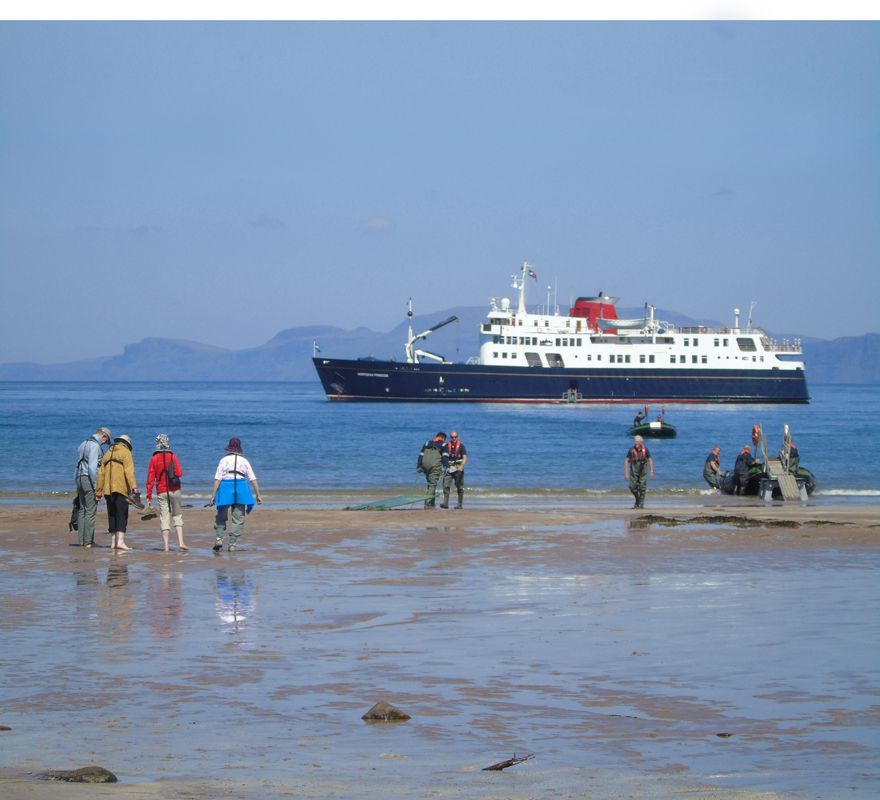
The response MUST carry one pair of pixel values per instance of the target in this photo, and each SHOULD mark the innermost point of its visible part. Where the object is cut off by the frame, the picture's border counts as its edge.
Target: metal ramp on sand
(391, 502)
(786, 482)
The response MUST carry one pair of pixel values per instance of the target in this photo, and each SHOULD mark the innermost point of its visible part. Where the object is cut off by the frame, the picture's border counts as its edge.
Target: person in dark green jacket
(712, 468)
(431, 464)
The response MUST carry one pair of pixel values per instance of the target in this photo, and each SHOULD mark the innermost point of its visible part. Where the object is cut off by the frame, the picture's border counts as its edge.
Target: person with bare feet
(116, 482)
(165, 473)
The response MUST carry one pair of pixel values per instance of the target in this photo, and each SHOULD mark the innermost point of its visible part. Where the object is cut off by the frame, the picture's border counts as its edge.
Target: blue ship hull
(392, 381)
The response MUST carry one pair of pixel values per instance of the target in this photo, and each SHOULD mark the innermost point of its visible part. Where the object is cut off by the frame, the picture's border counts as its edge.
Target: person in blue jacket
(88, 462)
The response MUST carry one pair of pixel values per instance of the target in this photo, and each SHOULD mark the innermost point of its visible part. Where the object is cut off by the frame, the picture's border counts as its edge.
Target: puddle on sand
(260, 663)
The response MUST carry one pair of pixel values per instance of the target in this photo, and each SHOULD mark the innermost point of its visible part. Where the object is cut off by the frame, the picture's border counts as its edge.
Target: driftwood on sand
(509, 762)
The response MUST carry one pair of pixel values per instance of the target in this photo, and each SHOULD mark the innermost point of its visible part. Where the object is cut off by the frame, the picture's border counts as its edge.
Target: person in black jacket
(741, 468)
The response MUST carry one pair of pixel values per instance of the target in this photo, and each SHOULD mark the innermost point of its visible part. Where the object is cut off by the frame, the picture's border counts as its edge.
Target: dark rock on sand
(385, 712)
(81, 775)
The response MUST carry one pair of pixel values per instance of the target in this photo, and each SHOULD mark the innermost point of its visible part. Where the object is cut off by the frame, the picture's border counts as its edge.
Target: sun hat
(163, 442)
(124, 438)
(234, 445)
(105, 432)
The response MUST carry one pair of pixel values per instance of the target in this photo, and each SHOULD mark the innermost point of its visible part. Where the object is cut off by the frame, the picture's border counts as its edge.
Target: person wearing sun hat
(165, 472)
(235, 492)
(116, 482)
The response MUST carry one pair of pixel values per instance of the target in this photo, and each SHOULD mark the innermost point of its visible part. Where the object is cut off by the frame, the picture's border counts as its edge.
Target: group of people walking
(111, 476)
(437, 458)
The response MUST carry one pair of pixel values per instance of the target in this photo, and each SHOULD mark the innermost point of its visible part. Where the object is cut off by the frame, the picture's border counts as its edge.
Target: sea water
(307, 450)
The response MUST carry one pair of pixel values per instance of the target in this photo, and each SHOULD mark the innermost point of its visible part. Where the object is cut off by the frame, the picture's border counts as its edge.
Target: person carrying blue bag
(235, 492)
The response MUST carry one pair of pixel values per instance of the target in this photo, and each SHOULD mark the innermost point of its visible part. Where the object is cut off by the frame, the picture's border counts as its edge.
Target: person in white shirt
(235, 492)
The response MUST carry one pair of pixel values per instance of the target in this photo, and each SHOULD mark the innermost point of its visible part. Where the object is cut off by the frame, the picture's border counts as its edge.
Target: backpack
(171, 480)
(73, 524)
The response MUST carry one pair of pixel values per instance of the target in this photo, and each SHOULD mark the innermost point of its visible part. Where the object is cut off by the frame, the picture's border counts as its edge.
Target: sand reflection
(116, 603)
(165, 602)
(235, 600)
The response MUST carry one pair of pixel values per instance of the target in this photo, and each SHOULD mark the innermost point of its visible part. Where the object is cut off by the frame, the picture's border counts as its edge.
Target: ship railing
(785, 346)
(710, 329)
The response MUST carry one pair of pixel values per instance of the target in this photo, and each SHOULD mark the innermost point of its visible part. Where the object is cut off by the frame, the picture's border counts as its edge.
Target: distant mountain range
(287, 356)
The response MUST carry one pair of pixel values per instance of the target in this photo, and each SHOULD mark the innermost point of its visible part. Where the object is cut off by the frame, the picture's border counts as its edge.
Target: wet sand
(722, 650)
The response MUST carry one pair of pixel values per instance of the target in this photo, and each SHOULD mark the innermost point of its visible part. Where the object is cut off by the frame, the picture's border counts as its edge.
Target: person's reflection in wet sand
(165, 602)
(117, 575)
(117, 602)
(235, 599)
(87, 584)
(86, 577)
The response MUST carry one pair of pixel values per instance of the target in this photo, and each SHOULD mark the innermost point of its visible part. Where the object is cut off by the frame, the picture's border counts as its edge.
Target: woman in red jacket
(165, 472)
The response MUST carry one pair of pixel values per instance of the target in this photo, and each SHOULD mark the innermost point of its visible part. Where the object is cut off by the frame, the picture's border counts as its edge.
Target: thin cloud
(267, 222)
(146, 230)
(378, 225)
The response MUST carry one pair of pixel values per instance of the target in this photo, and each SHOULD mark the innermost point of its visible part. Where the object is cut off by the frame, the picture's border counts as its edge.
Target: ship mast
(520, 285)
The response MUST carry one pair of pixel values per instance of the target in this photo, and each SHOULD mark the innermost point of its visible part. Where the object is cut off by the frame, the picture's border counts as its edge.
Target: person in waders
(636, 469)
(431, 464)
(712, 468)
(742, 467)
(235, 491)
(454, 459)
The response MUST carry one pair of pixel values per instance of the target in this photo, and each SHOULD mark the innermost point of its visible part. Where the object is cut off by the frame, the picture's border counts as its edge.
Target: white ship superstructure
(591, 335)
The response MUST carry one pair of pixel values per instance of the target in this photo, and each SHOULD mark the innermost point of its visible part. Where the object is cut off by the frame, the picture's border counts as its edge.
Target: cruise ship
(588, 355)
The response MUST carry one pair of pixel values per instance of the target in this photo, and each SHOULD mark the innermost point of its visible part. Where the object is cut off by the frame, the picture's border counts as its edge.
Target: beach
(721, 649)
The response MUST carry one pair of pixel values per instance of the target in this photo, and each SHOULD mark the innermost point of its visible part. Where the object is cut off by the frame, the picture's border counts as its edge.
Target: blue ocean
(309, 451)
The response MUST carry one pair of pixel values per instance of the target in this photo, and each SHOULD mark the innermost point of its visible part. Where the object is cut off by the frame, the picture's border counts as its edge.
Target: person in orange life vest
(636, 467)
(454, 459)
(165, 472)
(744, 462)
(712, 468)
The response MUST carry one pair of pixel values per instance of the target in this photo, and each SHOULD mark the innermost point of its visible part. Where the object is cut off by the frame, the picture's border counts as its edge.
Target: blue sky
(224, 181)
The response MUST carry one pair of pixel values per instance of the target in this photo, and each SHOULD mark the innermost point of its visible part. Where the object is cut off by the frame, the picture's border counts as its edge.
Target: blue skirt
(235, 492)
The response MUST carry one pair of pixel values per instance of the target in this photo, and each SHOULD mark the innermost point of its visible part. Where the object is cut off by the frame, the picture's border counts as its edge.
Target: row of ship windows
(682, 359)
(575, 341)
